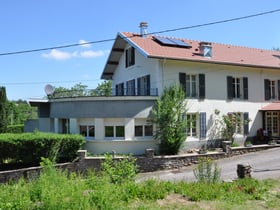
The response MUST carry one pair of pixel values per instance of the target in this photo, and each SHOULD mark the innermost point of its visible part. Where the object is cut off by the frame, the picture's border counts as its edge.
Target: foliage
(28, 148)
(19, 111)
(207, 171)
(103, 89)
(57, 189)
(119, 171)
(228, 124)
(15, 128)
(3, 110)
(169, 114)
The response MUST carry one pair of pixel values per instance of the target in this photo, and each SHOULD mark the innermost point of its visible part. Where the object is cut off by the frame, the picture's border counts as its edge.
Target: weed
(207, 171)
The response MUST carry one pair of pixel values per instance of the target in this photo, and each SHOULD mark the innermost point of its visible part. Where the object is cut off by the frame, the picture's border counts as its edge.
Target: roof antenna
(143, 29)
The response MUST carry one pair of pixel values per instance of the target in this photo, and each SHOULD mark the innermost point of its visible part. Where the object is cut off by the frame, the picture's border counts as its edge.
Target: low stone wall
(147, 163)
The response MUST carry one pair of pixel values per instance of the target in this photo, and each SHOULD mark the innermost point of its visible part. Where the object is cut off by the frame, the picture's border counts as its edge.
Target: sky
(34, 24)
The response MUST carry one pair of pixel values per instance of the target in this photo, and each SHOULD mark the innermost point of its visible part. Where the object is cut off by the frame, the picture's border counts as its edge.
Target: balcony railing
(102, 93)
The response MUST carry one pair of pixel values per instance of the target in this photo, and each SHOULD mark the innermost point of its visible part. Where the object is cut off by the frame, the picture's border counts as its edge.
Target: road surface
(265, 164)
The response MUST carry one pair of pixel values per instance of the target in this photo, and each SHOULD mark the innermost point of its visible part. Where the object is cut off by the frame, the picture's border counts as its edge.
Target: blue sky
(33, 24)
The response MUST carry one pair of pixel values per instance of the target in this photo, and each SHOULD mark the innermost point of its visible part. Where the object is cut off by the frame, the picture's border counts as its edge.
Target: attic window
(171, 42)
(129, 57)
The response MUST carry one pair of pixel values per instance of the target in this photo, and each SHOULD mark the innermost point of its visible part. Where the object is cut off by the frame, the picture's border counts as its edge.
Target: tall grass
(56, 189)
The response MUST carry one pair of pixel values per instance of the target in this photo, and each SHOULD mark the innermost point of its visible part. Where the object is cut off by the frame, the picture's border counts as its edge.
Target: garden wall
(147, 163)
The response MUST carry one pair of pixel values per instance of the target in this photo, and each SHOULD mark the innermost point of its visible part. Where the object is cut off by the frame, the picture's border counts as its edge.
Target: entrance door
(272, 123)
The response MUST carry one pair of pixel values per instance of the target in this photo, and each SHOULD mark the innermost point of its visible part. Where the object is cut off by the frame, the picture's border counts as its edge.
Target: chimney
(143, 29)
(205, 49)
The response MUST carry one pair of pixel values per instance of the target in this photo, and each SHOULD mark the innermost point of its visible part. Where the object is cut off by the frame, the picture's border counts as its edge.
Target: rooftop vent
(143, 29)
(205, 49)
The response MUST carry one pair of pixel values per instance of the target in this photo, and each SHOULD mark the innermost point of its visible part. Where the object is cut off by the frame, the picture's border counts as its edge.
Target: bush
(206, 171)
(119, 171)
(28, 148)
(15, 128)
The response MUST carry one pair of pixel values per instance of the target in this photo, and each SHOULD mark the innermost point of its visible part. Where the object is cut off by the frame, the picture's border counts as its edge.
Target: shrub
(15, 128)
(28, 148)
(206, 171)
(119, 170)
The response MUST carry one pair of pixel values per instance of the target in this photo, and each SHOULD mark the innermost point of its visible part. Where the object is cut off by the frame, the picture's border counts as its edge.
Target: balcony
(104, 93)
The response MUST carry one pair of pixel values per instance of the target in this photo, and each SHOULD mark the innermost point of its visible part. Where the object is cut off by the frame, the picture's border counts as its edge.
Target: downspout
(162, 74)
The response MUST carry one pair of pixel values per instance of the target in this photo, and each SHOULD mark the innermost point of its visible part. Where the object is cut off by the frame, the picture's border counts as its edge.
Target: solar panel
(172, 42)
(165, 41)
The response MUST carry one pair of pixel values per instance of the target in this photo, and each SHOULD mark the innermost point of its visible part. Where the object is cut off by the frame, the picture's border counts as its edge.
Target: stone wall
(147, 163)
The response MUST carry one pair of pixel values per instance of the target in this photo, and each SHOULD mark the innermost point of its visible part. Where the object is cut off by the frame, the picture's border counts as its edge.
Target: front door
(272, 123)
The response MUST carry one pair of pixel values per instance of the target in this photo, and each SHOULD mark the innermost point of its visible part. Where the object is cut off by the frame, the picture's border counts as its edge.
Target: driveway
(265, 164)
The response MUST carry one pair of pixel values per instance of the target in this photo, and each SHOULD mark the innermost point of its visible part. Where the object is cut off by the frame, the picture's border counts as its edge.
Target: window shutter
(182, 80)
(229, 87)
(202, 124)
(201, 86)
(245, 87)
(278, 89)
(246, 123)
(132, 56)
(126, 58)
(267, 94)
(148, 87)
(139, 86)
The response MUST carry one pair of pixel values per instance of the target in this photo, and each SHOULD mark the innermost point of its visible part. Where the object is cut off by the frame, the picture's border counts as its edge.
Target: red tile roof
(275, 106)
(221, 53)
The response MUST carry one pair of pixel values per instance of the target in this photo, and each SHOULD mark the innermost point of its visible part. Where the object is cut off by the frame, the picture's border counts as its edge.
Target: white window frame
(192, 85)
(87, 136)
(193, 125)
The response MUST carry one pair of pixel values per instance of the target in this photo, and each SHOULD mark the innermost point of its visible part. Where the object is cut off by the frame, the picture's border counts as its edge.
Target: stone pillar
(149, 153)
(243, 171)
(226, 146)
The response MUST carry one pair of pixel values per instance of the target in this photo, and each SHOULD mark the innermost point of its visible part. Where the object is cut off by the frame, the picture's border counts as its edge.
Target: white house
(231, 79)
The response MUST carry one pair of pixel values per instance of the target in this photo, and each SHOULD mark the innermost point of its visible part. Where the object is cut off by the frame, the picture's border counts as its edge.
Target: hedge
(15, 128)
(28, 148)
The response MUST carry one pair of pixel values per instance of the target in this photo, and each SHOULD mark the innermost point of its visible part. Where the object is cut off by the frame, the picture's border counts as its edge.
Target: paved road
(265, 164)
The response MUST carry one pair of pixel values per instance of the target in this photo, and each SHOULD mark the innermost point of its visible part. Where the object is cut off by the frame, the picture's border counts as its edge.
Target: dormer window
(129, 57)
(205, 49)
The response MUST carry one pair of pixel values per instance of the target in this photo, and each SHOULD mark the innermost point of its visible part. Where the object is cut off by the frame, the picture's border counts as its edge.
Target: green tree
(169, 114)
(3, 110)
(19, 111)
(103, 89)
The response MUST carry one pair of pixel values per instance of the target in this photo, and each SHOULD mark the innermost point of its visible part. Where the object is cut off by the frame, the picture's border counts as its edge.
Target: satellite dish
(49, 89)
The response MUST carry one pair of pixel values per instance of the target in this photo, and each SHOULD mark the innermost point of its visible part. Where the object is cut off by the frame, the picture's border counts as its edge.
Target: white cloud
(91, 53)
(58, 55)
(84, 43)
(62, 55)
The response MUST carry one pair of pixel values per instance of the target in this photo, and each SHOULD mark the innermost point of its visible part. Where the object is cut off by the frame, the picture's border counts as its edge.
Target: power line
(158, 32)
(51, 82)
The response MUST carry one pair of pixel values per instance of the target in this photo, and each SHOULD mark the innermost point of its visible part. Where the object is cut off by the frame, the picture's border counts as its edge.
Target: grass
(56, 189)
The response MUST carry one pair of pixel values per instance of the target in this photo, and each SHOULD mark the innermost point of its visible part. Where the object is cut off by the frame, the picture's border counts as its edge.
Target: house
(232, 79)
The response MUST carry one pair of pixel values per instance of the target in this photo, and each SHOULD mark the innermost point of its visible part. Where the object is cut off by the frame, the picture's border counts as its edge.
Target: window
(192, 125)
(109, 131)
(272, 126)
(87, 130)
(114, 131)
(193, 85)
(240, 122)
(119, 131)
(237, 87)
(129, 57)
(120, 89)
(271, 89)
(130, 88)
(143, 86)
(143, 130)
